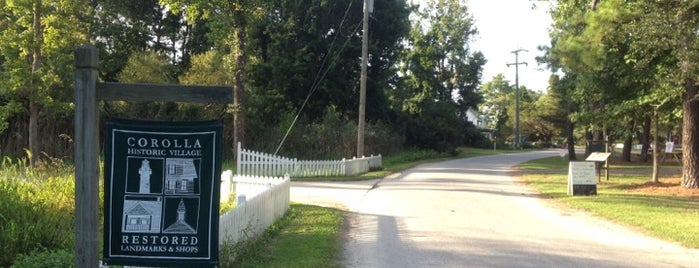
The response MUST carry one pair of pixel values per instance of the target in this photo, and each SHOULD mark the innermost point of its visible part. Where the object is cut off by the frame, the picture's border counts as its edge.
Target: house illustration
(180, 175)
(180, 226)
(141, 216)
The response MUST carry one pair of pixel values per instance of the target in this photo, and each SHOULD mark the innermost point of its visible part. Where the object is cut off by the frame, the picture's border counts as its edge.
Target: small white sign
(598, 157)
(581, 173)
(669, 147)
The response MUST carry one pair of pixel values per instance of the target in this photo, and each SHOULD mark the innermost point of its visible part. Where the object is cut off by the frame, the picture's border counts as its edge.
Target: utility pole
(368, 8)
(516, 64)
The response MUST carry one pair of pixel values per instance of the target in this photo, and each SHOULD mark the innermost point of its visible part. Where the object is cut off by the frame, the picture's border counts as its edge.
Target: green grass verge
(666, 216)
(308, 236)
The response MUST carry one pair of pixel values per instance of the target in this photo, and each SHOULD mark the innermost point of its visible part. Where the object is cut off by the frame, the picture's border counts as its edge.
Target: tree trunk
(645, 139)
(690, 137)
(569, 133)
(656, 152)
(34, 147)
(33, 90)
(238, 98)
(628, 142)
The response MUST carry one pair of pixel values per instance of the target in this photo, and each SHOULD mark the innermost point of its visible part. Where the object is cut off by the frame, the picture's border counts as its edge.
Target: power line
(319, 77)
(516, 64)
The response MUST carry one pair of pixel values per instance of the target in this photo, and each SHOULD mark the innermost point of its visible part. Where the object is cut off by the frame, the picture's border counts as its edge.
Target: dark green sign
(162, 193)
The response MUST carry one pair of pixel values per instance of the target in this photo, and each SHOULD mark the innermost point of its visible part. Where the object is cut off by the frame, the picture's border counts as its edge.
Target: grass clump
(308, 236)
(45, 259)
(627, 199)
(36, 209)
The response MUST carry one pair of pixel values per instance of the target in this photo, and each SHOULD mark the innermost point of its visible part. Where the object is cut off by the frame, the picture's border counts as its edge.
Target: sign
(669, 147)
(581, 178)
(162, 193)
(598, 157)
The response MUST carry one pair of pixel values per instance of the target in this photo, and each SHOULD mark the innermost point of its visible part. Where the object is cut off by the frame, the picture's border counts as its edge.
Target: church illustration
(180, 226)
(180, 176)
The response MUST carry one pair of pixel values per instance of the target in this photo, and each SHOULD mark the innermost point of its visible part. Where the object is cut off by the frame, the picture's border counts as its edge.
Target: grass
(36, 208)
(664, 214)
(308, 236)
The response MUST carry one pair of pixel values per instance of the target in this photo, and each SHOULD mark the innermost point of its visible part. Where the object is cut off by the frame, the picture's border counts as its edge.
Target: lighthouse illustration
(180, 226)
(145, 173)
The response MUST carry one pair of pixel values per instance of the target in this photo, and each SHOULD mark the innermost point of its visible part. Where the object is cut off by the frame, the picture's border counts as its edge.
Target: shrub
(437, 128)
(474, 137)
(334, 137)
(46, 259)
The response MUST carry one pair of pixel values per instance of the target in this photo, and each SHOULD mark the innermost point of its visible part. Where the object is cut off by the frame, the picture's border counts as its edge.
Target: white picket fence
(262, 164)
(261, 202)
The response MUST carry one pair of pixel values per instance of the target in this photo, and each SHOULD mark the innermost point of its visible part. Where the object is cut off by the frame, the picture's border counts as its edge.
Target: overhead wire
(320, 75)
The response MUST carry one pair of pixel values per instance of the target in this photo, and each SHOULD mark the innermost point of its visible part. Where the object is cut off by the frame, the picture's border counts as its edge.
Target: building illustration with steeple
(180, 226)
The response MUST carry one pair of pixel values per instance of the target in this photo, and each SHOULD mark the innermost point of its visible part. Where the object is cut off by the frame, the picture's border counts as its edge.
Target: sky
(508, 25)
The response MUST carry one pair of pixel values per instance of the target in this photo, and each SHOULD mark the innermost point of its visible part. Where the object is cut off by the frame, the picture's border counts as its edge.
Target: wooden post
(86, 158)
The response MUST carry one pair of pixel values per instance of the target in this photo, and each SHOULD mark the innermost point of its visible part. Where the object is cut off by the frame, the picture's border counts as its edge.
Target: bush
(36, 211)
(437, 128)
(46, 259)
(473, 137)
(333, 137)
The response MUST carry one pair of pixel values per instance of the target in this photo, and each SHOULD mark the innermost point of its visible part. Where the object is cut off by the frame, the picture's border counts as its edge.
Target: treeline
(628, 73)
(288, 62)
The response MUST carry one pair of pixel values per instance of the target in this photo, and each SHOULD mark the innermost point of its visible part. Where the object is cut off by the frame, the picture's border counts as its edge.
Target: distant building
(476, 118)
(479, 120)
(180, 175)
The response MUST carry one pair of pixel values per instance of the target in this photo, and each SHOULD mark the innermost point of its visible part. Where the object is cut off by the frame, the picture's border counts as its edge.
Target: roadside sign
(598, 157)
(162, 193)
(581, 178)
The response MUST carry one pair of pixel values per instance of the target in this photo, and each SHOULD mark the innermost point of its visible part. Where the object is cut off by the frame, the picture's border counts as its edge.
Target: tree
(36, 41)
(231, 23)
(320, 67)
(146, 67)
(439, 65)
(122, 27)
(439, 70)
(544, 118)
(497, 95)
(659, 40)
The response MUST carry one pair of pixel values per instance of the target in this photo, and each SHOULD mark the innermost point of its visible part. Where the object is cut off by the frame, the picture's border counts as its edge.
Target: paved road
(469, 213)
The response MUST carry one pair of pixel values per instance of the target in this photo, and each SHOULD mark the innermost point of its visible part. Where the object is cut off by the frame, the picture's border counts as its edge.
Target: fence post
(238, 159)
(86, 157)
(226, 186)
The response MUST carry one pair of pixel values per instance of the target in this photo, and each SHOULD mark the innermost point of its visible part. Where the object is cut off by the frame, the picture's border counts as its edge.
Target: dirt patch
(667, 186)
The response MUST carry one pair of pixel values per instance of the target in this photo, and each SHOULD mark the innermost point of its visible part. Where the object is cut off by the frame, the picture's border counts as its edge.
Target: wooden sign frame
(86, 155)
